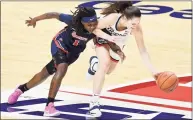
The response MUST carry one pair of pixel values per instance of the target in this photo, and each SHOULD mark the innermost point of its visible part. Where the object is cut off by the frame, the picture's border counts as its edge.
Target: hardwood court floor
(25, 51)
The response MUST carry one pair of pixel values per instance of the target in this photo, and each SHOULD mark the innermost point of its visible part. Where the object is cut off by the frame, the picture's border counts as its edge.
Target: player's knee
(105, 64)
(61, 71)
(50, 68)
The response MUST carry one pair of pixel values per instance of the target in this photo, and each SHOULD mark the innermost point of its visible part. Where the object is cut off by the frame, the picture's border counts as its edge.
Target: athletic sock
(23, 87)
(49, 100)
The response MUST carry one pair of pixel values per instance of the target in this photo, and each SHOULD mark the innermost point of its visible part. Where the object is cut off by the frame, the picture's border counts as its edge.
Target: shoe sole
(50, 115)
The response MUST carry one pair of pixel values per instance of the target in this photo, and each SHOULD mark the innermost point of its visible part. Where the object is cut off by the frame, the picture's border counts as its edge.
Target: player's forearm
(138, 33)
(101, 34)
(115, 48)
(49, 15)
(147, 62)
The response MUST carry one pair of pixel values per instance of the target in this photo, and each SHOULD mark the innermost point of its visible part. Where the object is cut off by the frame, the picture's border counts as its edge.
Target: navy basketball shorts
(59, 56)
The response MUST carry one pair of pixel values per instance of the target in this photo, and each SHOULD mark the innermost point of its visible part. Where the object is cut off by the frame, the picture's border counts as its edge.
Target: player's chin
(91, 30)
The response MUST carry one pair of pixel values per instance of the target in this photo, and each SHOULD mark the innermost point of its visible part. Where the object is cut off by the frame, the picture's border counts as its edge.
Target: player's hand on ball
(156, 75)
(31, 22)
(167, 81)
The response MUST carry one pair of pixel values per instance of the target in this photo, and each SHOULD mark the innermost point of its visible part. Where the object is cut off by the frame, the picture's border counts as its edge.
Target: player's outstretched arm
(50, 15)
(138, 33)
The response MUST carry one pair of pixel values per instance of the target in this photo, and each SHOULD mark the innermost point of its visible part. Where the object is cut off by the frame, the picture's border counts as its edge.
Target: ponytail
(116, 7)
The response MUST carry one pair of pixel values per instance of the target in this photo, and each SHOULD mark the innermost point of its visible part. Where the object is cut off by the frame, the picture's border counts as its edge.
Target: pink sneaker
(50, 110)
(14, 96)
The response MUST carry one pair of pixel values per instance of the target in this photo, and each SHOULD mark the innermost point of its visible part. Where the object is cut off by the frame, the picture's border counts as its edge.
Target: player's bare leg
(112, 67)
(55, 85)
(98, 79)
(37, 79)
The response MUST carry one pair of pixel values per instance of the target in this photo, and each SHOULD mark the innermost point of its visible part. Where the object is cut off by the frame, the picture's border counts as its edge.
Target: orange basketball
(167, 81)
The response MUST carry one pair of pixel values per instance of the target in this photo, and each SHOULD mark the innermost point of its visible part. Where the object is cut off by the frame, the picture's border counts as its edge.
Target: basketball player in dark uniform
(66, 47)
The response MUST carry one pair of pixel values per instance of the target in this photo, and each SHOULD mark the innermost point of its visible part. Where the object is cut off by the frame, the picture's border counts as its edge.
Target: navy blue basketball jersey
(70, 41)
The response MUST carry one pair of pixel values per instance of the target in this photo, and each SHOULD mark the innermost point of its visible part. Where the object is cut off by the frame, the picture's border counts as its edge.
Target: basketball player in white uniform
(121, 19)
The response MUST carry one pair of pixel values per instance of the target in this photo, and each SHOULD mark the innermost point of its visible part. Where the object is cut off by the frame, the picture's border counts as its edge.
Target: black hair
(78, 15)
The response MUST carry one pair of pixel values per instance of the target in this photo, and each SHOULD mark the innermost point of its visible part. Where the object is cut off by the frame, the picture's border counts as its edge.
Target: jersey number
(76, 42)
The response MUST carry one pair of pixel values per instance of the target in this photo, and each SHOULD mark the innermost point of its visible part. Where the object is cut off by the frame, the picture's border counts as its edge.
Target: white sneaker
(94, 109)
(92, 68)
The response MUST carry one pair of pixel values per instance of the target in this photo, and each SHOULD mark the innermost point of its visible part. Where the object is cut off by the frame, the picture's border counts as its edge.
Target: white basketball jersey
(112, 30)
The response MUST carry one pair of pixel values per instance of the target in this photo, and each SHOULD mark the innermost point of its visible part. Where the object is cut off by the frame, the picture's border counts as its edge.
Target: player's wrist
(36, 19)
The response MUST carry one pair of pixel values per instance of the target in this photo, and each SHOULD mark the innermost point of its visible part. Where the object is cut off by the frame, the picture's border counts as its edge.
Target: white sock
(95, 98)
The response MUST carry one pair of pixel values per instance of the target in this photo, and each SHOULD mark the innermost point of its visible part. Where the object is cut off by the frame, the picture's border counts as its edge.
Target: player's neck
(120, 26)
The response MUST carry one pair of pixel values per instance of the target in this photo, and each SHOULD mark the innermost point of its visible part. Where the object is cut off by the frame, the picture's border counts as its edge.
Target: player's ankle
(95, 97)
(49, 100)
(23, 87)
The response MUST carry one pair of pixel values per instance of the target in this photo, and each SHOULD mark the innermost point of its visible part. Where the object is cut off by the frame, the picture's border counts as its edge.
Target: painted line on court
(133, 101)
